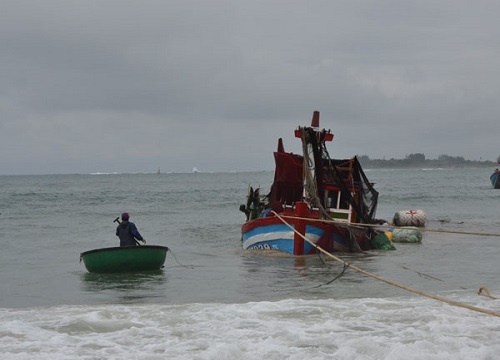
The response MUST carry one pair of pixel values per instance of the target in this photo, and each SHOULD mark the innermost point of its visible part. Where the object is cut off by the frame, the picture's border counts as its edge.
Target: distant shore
(419, 161)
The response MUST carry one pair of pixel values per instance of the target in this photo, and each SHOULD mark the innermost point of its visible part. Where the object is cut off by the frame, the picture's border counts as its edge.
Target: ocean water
(215, 301)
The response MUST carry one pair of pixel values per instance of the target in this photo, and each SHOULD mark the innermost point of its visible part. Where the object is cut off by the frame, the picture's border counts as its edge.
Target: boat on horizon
(122, 259)
(328, 201)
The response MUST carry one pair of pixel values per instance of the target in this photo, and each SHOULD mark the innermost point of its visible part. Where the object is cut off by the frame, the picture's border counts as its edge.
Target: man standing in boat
(128, 233)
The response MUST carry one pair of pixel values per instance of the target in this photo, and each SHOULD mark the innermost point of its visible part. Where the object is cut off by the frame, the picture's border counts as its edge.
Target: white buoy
(410, 218)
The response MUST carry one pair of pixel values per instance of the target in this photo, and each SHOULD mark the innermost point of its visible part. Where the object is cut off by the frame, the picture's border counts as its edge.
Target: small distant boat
(323, 199)
(495, 179)
(124, 259)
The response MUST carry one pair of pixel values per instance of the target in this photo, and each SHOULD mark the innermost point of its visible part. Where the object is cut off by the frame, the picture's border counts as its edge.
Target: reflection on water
(125, 287)
(122, 281)
(313, 276)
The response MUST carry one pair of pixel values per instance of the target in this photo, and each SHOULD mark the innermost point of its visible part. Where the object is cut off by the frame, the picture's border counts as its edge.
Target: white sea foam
(287, 329)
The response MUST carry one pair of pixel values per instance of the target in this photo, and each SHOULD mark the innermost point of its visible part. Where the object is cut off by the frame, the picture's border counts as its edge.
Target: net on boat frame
(321, 170)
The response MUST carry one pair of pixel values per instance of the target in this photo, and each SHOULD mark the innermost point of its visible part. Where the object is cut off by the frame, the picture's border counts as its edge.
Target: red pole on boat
(315, 119)
(281, 148)
(300, 226)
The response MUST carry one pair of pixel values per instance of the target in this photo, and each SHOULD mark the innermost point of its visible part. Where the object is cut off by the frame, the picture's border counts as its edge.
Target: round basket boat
(124, 259)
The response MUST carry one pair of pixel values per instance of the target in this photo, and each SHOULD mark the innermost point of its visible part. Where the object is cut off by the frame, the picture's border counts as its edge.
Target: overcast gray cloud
(130, 86)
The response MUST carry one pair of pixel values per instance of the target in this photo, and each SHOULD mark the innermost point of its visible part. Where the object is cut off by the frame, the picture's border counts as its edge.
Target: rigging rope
(390, 282)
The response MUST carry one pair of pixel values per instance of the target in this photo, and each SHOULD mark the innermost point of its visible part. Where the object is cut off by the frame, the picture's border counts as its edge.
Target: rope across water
(390, 282)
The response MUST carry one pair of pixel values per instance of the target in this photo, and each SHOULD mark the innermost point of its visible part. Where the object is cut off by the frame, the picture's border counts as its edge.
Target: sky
(132, 86)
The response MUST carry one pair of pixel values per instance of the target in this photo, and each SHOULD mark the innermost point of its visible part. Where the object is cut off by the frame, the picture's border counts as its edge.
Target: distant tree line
(419, 160)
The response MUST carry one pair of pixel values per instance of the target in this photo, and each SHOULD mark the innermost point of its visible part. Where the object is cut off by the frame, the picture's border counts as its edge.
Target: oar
(117, 220)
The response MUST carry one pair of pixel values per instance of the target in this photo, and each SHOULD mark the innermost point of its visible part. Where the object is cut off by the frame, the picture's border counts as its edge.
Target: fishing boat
(327, 201)
(124, 259)
(495, 179)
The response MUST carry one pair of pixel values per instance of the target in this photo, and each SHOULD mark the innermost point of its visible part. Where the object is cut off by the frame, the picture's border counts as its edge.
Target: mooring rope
(394, 227)
(390, 282)
(486, 293)
(335, 278)
(177, 261)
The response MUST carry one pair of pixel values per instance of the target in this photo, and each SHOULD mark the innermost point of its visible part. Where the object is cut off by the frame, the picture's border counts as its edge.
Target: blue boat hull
(278, 237)
(270, 233)
(495, 180)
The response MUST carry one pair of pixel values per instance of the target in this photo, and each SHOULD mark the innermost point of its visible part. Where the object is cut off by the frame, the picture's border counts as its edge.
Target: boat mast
(311, 138)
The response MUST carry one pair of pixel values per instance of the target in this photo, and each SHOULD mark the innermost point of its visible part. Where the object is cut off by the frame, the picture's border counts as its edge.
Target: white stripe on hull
(281, 236)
